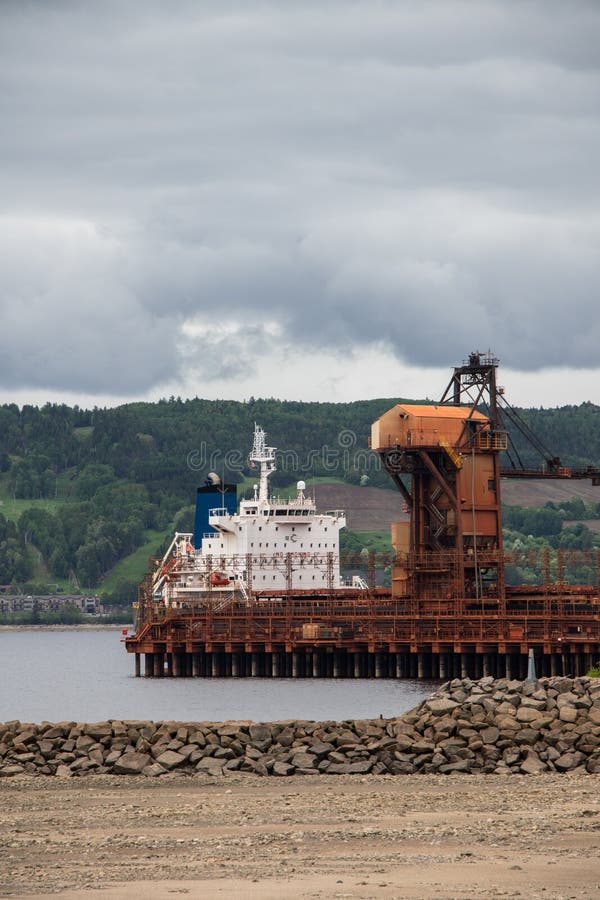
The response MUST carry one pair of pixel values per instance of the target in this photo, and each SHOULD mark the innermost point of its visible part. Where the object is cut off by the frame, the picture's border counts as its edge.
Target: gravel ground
(242, 836)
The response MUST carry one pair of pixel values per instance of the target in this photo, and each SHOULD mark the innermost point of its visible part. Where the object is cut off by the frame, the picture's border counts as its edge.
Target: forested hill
(81, 489)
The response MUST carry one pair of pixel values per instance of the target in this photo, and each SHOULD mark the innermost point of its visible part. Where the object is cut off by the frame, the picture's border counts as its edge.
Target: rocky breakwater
(486, 726)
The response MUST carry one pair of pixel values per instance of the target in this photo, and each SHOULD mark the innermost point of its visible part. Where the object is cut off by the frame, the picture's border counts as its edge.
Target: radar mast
(265, 458)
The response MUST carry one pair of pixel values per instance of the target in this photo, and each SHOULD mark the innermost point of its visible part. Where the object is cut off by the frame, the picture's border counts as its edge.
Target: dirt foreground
(242, 836)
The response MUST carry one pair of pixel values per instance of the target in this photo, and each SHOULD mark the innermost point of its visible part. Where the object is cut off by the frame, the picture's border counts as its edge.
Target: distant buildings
(12, 603)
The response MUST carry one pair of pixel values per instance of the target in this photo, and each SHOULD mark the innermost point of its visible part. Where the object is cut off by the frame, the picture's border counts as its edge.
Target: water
(88, 676)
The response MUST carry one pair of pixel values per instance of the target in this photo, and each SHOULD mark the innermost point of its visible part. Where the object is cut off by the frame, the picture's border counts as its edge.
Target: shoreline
(82, 626)
(479, 728)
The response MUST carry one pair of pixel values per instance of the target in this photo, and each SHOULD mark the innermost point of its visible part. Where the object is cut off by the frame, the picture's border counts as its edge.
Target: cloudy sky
(319, 200)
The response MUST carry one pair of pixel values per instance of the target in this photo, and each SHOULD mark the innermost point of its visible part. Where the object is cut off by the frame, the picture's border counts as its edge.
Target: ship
(256, 589)
(264, 546)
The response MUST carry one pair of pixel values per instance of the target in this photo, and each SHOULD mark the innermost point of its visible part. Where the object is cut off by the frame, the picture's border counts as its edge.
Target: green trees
(119, 472)
(536, 522)
(16, 564)
(91, 478)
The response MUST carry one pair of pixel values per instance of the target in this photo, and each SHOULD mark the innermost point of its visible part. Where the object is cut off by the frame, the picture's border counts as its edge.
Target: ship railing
(305, 503)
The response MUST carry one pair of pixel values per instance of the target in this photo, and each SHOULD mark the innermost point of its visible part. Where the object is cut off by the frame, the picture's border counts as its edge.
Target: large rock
(323, 748)
(56, 731)
(304, 761)
(286, 737)
(209, 763)
(345, 738)
(153, 770)
(99, 730)
(357, 768)
(25, 737)
(532, 764)
(131, 763)
(283, 769)
(10, 770)
(441, 706)
(261, 737)
(170, 759)
(463, 765)
(568, 761)
(528, 714)
(490, 735)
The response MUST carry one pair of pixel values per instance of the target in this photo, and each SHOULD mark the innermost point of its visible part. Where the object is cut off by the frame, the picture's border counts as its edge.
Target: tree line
(118, 472)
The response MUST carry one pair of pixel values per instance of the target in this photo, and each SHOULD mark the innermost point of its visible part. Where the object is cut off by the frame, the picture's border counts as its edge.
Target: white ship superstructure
(268, 545)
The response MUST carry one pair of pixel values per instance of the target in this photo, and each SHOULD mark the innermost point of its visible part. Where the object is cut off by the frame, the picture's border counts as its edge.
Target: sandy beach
(241, 836)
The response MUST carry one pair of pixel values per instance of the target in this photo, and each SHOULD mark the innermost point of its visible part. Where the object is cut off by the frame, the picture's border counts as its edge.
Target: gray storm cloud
(178, 179)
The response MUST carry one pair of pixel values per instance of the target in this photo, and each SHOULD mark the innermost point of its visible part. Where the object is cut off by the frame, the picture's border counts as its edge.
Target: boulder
(10, 770)
(489, 735)
(304, 761)
(463, 765)
(355, 768)
(568, 761)
(208, 763)
(442, 706)
(170, 759)
(99, 730)
(532, 764)
(260, 732)
(131, 763)
(528, 714)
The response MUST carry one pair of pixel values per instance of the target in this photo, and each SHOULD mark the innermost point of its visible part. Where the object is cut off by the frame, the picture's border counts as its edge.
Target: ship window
(326, 528)
(281, 512)
(252, 543)
(293, 527)
(309, 528)
(277, 528)
(305, 512)
(260, 527)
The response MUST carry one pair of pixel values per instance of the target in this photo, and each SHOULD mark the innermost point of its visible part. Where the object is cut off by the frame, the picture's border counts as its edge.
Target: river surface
(87, 676)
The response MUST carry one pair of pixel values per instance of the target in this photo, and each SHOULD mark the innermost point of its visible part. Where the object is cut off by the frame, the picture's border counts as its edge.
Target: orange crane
(446, 460)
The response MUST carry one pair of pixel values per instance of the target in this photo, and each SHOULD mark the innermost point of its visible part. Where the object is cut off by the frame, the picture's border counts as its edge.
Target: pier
(238, 605)
(371, 636)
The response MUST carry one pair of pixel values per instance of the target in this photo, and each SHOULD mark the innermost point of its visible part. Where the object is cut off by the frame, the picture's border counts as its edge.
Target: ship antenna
(265, 457)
